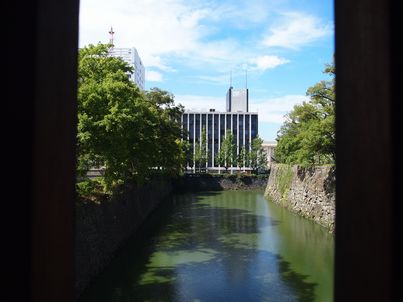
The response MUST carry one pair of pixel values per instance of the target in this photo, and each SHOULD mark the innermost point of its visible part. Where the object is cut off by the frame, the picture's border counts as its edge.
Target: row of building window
(244, 127)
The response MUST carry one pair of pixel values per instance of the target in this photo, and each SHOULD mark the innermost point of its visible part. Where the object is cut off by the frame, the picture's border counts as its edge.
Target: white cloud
(156, 62)
(172, 34)
(158, 29)
(154, 76)
(259, 64)
(263, 63)
(201, 103)
(154, 27)
(296, 29)
(170, 31)
(222, 79)
(273, 110)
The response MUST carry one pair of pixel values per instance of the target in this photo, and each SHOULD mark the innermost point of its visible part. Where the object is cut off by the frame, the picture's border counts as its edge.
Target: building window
(209, 126)
(185, 125)
(235, 129)
(222, 126)
(191, 126)
(197, 126)
(254, 126)
(228, 121)
(241, 130)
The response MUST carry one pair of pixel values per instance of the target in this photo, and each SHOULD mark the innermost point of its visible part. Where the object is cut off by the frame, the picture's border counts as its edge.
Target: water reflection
(221, 246)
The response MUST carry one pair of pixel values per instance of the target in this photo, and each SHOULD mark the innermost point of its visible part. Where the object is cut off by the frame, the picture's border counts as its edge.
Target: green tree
(188, 153)
(201, 154)
(170, 151)
(129, 133)
(308, 134)
(242, 157)
(258, 157)
(227, 156)
(109, 111)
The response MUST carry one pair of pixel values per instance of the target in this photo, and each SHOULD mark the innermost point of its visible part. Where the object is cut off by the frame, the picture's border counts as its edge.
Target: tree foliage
(257, 155)
(242, 157)
(308, 134)
(131, 134)
(201, 155)
(227, 156)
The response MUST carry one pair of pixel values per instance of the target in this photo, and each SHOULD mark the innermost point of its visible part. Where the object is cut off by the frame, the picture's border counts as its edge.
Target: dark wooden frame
(368, 74)
(39, 143)
(39, 125)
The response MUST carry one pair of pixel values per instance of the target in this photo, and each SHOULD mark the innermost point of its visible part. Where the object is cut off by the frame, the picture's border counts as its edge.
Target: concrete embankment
(307, 191)
(101, 228)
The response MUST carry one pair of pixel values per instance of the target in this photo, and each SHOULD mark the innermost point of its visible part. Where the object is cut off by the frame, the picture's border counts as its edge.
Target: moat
(221, 246)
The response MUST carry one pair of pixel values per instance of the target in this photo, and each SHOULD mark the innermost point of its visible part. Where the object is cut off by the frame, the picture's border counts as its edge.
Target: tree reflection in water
(221, 246)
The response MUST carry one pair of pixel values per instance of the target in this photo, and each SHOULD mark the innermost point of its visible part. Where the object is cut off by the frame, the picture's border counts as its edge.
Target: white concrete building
(237, 100)
(131, 56)
(237, 118)
(269, 148)
(243, 126)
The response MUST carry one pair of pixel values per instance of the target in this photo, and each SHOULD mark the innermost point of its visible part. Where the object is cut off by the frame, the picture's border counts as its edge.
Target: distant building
(269, 148)
(131, 56)
(242, 124)
(237, 100)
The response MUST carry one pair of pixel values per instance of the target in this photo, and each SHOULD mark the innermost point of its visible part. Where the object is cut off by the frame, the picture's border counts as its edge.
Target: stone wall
(102, 228)
(218, 182)
(308, 191)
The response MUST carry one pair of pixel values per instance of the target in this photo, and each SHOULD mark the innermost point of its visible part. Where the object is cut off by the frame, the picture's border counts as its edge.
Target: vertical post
(244, 140)
(207, 116)
(212, 143)
(200, 128)
(194, 142)
(187, 132)
(250, 136)
(219, 140)
(237, 136)
(232, 131)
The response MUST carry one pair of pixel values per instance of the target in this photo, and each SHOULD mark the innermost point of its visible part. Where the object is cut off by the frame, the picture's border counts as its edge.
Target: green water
(221, 246)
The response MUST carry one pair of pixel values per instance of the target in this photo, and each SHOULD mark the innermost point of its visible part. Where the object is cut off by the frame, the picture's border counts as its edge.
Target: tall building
(131, 56)
(242, 124)
(237, 100)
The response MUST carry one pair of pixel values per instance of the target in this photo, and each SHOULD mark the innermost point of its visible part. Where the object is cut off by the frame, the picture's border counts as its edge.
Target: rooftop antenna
(230, 79)
(246, 78)
(111, 33)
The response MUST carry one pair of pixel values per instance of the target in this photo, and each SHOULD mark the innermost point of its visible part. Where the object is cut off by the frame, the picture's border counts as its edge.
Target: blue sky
(190, 47)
